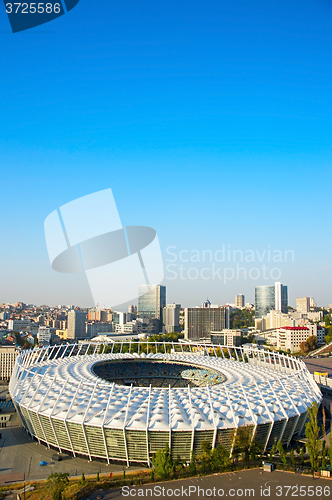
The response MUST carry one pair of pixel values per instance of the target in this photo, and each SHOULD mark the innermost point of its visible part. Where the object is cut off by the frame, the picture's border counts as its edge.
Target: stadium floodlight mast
(86, 235)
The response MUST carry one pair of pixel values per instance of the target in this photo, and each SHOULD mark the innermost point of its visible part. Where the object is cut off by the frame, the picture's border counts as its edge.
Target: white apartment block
(130, 327)
(17, 325)
(291, 337)
(44, 335)
(274, 319)
(303, 304)
(277, 319)
(8, 355)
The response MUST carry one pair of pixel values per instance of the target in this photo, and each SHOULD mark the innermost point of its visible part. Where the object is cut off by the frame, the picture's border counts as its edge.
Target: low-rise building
(290, 338)
(17, 325)
(227, 337)
(44, 335)
(8, 355)
(62, 334)
(93, 329)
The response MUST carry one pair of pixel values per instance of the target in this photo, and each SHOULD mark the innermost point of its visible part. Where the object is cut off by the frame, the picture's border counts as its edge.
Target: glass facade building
(264, 300)
(270, 297)
(151, 301)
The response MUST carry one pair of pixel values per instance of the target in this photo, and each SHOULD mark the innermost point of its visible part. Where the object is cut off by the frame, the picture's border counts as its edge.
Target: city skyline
(211, 127)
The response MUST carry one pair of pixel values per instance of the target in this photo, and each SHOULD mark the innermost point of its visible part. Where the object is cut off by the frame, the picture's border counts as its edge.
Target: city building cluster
(269, 322)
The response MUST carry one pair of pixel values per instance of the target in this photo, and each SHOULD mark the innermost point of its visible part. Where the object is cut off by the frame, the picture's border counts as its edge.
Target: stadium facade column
(55, 406)
(147, 427)
(254, 417)
(191, 420)
(234, 420)
(32, 379)
(212, 416)
(296, 411)
(282, 409)
(41, 408)
(169, 418)
(304, 420)
(68, 411)
(84, 417)
(103, 423)
(125, 421)
(268, 412)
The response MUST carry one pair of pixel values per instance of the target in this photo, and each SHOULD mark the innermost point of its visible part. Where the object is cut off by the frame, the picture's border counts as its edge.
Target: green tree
(205, 454)
(328, 337)
(97, 478)
(304, 346)
(242, 318)
(255, 450)
(82, 478)
(292, 457)
(273, 451)
(220, 459)
(243, 442)
(282, 452)
(312, 435)
(312, 341)
(192, 466)
(162, 462)
(203, 465)
(330, 454)
(58, 483)
(302, 456)
(323, 453)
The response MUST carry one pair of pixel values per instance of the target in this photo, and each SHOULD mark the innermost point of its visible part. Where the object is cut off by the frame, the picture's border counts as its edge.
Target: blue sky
(210, 121)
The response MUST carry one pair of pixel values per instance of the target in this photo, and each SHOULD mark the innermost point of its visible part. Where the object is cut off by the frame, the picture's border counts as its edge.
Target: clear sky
(211, 122)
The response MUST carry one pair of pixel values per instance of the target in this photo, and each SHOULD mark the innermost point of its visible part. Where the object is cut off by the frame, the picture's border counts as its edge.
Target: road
(245, 484)
(319, 365)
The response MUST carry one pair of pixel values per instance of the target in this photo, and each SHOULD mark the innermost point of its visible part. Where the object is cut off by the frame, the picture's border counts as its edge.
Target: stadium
(124, 401)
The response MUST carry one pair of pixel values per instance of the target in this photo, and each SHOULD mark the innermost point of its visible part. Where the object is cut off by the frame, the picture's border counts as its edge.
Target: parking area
(319, 365)
(245, 484)
(20, 454)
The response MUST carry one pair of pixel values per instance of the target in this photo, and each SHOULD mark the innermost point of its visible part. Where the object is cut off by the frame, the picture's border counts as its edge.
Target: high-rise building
(171, 318)
(201, 321)
(268, 298)
(303, 304)
(151, 301)
(103, 315)
(239, 300)
(313, 304)
(264, 300)
(119, 318)
(76, 324)
(132, 309)
(281, 297)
